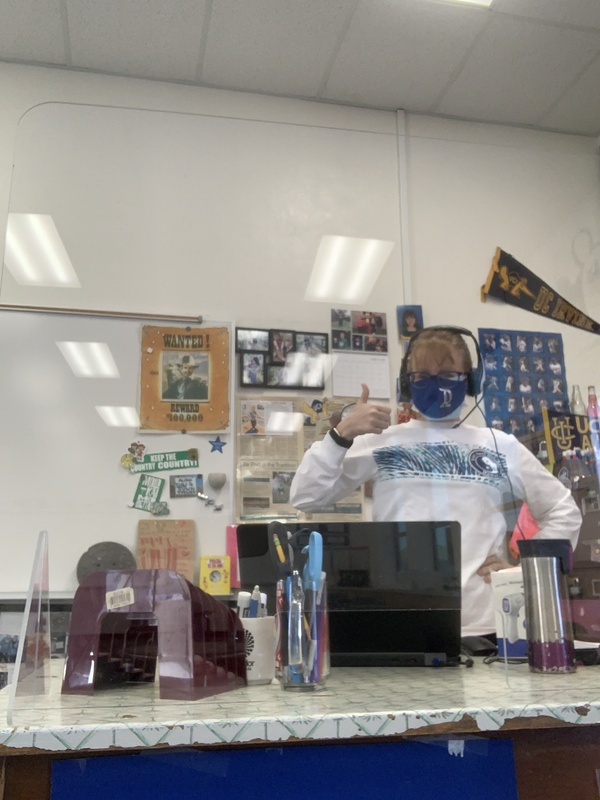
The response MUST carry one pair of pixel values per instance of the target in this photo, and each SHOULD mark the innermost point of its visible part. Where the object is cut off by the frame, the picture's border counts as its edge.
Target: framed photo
(276, 376)
(410, 320)
(251, 339)
(281, 344)
(300, 371)
(309, 371)
(313, 344)
(252, 369)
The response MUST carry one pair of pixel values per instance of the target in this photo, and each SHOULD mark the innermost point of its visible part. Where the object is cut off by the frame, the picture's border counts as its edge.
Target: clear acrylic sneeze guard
(30, 685)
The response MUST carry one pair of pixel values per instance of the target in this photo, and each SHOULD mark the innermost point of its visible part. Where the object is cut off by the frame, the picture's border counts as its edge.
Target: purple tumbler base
(557, 656)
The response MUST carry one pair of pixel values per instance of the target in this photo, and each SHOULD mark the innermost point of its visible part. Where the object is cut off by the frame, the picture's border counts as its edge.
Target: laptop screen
(393, 587)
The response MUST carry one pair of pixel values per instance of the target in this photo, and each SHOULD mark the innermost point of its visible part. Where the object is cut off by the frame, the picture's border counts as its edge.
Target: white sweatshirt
(424, 470)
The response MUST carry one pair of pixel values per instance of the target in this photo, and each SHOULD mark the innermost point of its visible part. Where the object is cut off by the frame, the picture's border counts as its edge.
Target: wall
(194, 201)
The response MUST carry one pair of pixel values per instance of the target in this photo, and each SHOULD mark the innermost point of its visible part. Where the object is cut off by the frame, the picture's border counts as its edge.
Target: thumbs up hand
(365, 417)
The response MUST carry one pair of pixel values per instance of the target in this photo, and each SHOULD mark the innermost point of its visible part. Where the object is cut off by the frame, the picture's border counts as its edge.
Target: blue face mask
(437, 396)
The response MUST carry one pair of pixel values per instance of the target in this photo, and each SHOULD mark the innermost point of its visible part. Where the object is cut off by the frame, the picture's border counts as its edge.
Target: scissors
(280, 549)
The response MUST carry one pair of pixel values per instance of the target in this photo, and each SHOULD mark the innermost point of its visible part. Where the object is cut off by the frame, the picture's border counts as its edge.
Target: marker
(279, 548)
(254, 605)
(243, 601)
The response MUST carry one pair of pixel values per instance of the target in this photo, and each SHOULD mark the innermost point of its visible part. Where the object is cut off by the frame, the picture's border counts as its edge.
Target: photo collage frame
(276, 358)
(359, 331)
(524, 373)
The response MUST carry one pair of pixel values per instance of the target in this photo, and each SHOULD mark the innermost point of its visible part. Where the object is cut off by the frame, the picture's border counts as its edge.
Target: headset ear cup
(404, 391)
(404, 385)
(475, 382)
(471, 378)
(404, 382)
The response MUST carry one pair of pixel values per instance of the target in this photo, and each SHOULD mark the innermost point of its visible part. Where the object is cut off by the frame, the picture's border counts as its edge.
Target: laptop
(393, 587)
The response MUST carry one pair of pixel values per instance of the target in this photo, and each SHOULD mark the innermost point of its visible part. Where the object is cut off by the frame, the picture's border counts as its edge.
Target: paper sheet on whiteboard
(352, 369)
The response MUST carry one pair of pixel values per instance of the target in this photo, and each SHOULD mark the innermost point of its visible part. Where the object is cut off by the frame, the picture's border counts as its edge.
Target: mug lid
(548, 548)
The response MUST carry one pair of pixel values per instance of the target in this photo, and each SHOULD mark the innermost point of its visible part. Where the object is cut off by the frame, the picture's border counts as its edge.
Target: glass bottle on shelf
(592, 407)
(577, 405)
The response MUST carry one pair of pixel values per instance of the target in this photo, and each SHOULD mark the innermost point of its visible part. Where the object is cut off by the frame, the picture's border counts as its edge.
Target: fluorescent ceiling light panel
(35, 254)
(119, 416)
(346, 269)
(482, 3)
(89, 359)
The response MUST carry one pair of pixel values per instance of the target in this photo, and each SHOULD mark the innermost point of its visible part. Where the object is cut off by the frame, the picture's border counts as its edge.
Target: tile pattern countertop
(356, 702)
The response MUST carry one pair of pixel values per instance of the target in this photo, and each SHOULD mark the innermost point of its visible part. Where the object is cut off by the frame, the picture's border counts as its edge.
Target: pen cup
(259, 634)
(302, 622)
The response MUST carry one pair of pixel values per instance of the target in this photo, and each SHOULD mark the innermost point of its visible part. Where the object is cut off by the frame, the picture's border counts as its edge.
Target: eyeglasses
(447, 378)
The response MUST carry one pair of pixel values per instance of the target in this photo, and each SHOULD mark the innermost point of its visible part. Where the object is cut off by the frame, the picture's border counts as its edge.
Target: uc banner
(512, 282)
(568, 431)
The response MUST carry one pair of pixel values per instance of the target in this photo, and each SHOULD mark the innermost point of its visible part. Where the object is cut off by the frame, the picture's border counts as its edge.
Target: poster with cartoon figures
(524, 373)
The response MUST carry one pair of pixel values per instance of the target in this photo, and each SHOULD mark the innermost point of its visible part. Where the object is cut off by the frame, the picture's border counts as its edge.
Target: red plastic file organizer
(197, 640)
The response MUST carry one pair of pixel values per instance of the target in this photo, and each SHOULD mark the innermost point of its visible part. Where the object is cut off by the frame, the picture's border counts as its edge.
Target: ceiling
(532, 63)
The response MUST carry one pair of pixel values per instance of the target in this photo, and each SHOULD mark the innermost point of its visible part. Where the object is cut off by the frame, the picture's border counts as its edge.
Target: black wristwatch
(339, 439)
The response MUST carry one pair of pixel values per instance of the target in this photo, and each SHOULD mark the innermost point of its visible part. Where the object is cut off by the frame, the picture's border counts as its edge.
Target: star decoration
(216, 444)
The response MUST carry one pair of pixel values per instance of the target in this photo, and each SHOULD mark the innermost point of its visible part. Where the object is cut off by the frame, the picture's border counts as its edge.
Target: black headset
(475, 377)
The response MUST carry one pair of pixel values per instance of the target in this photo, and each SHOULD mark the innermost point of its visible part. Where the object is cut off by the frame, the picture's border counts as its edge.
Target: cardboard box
(509, 608)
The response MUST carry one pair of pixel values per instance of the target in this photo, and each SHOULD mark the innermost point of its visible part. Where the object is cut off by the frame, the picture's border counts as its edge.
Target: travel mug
(545, 564)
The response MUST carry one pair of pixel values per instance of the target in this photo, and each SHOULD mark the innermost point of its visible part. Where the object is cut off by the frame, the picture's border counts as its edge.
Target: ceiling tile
(581, 103)
(569, 12)
(31, 30)
(400, 54)
(281, 47)
(153, 39)
(517, 70)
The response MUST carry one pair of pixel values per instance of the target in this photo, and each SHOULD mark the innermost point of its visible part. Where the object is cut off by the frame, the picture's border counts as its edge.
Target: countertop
(356, 702)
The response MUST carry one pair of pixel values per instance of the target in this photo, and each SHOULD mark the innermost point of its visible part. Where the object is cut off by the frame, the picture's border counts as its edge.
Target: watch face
(347, 410)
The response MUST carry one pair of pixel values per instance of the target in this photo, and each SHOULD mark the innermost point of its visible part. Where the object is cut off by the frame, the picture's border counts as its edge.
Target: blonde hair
(447, 345)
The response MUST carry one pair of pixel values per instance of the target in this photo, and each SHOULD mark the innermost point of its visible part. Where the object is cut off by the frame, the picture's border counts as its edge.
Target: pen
(254, 604)
(312, 582)
(281, 620)
(295, 627)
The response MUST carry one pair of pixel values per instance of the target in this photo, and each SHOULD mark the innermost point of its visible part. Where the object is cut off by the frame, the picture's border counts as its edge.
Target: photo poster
(272, 437)
(359, 331)
(410, 322)
(184, 379)
(524, 374)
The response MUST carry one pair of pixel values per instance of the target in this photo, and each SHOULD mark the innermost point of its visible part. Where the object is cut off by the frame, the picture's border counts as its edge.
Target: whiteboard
(61, 470)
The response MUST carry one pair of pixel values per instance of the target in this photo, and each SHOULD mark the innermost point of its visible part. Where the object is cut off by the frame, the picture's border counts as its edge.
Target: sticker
(120, 598)
(156, 462)
(148, 492)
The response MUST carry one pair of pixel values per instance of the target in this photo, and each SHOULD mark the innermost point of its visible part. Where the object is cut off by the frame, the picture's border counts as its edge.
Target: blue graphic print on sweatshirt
(449, 461)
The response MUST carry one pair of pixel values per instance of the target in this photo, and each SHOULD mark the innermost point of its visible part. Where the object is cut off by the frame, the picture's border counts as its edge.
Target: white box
(509, 609)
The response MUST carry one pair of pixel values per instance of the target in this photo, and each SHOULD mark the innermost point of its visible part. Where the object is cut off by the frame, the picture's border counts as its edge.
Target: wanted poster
(184, 379)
